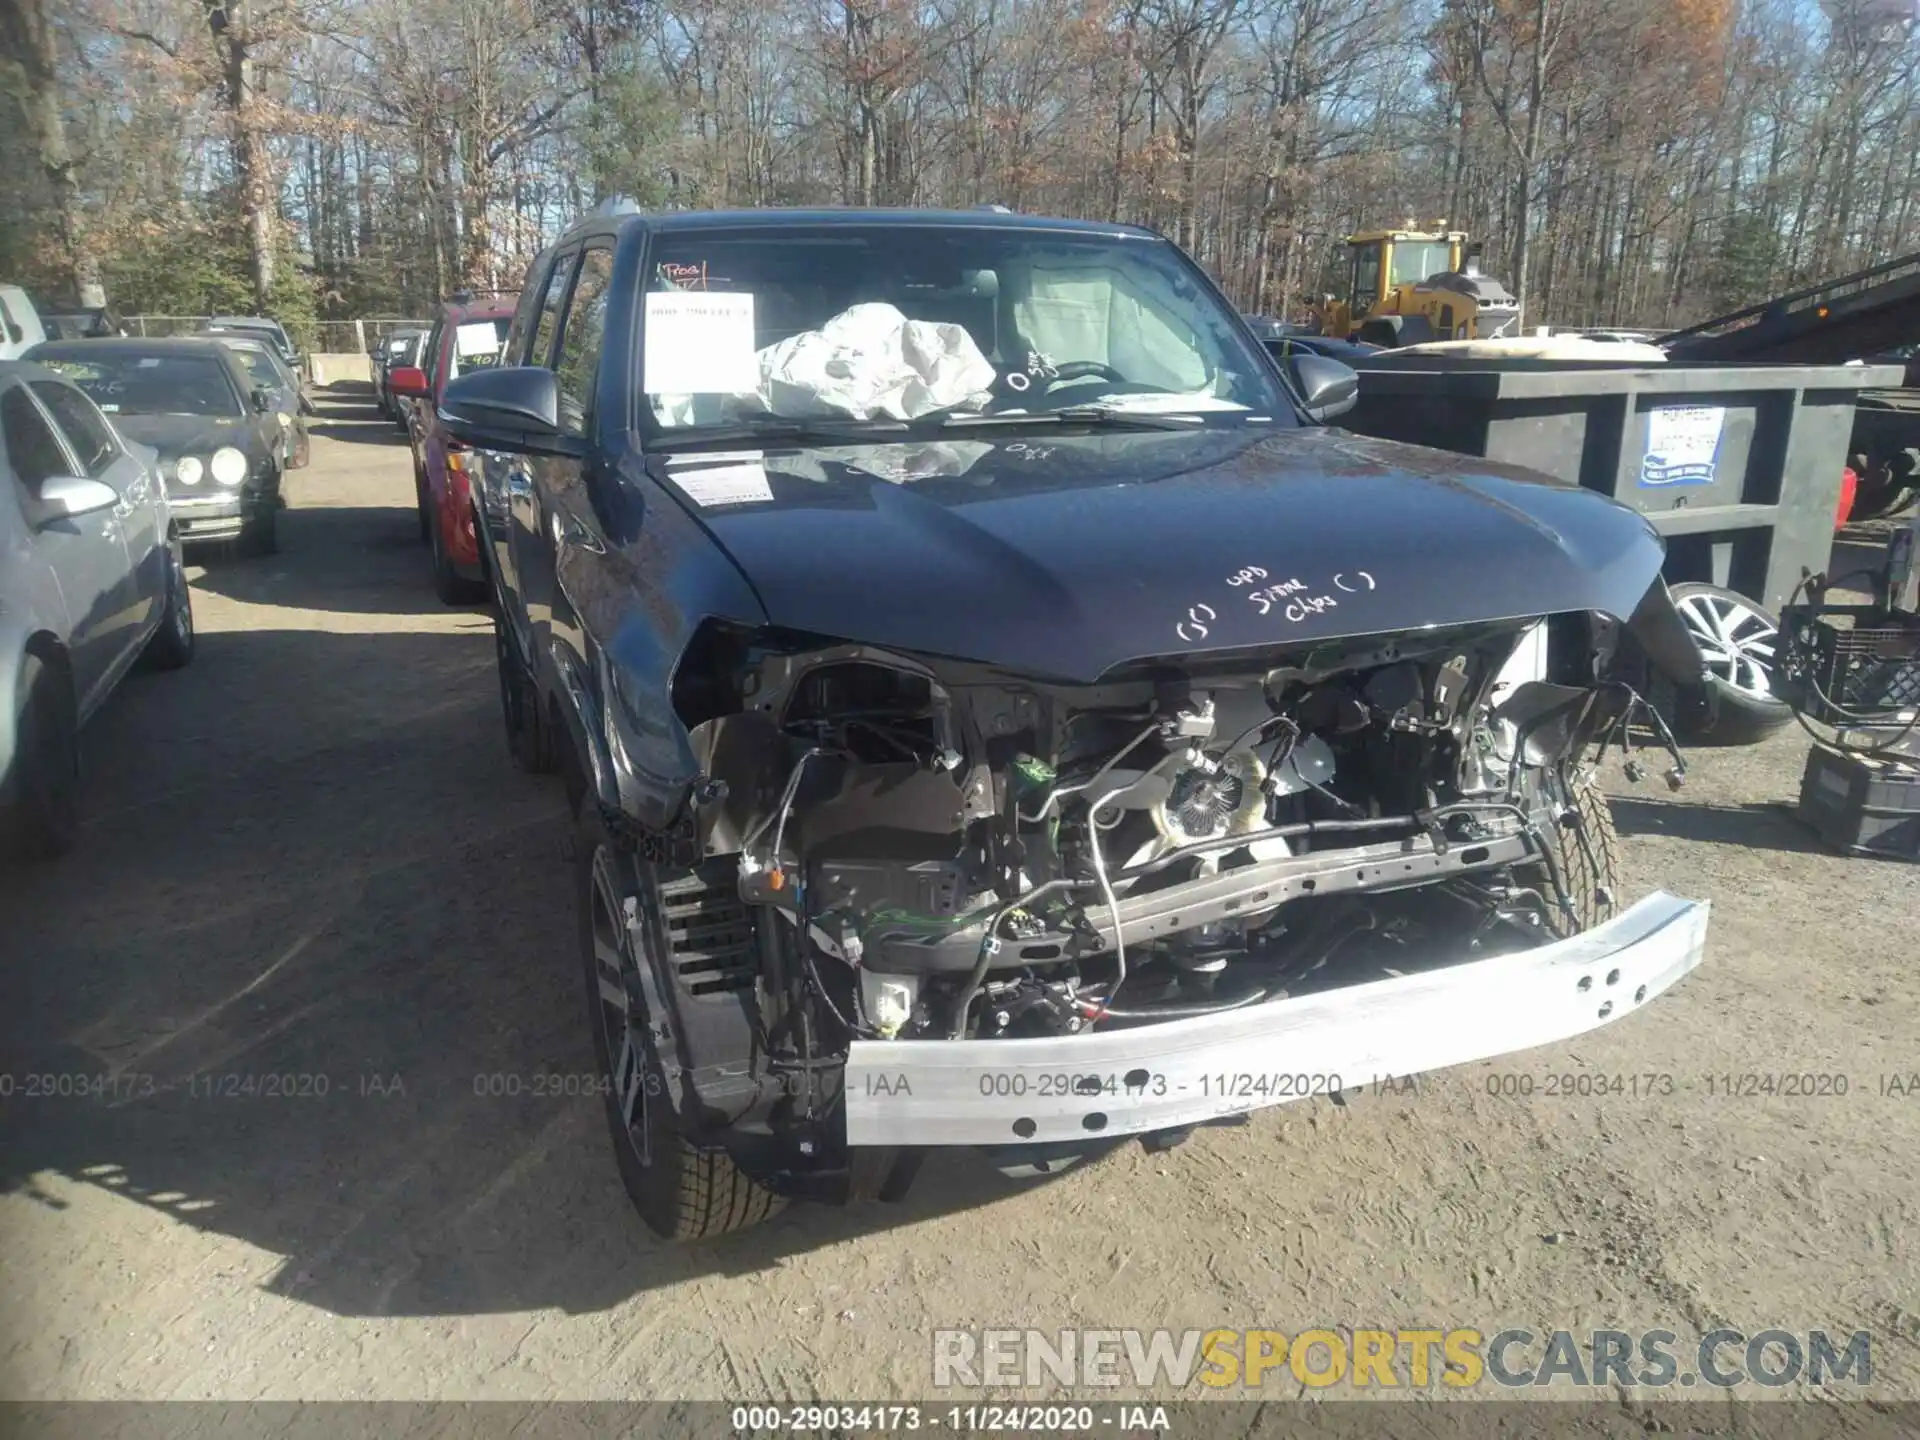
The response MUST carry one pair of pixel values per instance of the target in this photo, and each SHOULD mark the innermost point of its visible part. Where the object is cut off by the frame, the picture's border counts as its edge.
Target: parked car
(291, 407)
(1000, 715)
(80, 322)
(217, 434)
(20, 328)
(273, 330)
(91, 579)
(466, 337)
(399, 350)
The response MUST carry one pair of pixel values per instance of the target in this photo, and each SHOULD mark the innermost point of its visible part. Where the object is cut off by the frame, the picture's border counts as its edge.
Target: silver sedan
(91, 581)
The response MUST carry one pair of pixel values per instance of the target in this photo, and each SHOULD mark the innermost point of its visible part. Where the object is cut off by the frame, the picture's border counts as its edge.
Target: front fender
(1663, 640)
(636, 584)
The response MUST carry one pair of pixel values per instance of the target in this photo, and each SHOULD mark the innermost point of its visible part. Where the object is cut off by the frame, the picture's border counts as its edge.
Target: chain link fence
(329, 337)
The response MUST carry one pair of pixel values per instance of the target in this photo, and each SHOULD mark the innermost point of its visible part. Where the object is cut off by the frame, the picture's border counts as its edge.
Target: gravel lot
(308, 857)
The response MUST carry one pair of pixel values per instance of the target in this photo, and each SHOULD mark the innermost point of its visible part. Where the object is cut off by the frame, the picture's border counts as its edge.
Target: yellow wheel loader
(1408, 286)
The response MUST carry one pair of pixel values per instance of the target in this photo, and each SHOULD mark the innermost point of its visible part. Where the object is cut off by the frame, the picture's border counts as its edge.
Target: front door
(86, 554)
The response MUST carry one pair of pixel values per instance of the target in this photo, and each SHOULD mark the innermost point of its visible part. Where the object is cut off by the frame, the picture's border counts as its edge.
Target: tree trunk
(230, 22)
(29, 32)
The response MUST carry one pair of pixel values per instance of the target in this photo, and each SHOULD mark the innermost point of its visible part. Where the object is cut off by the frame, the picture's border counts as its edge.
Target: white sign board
(481, 337)
(712, 485)
(699, 342)
(1682, 442)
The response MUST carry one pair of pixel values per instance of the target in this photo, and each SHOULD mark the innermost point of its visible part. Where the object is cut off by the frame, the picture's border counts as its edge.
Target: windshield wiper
(1081, 415)
(775, 430)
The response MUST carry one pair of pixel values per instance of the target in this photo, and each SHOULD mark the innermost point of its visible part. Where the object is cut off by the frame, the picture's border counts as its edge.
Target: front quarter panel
(634, 580)
(30, 604)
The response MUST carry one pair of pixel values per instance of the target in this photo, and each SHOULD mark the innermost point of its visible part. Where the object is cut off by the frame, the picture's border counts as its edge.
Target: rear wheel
(683, 1192)
(422, 513)
(449, 584)
(42, 812)
(1738, 642)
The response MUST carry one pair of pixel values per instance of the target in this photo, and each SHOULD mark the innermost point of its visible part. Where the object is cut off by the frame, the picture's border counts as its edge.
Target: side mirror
(1327, 388)
(407, 380)
(62, 497)
(517, 408)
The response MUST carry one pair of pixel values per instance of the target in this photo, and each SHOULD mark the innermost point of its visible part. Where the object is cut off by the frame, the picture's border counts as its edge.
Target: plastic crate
(1870, 671)
(1863, 805)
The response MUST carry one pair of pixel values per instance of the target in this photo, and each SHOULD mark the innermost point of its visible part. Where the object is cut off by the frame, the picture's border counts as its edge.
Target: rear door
(86, 553)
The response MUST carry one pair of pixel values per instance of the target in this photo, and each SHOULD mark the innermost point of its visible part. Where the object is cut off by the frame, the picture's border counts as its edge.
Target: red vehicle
(466, 336)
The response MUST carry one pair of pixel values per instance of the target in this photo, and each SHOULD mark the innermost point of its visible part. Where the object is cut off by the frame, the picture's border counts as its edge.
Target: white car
(91, 580)
(20, 328)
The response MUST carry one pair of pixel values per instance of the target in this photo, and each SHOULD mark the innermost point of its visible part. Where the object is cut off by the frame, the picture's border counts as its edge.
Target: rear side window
(86, 432)
(32, 450)
(582, 338)
(550, 303)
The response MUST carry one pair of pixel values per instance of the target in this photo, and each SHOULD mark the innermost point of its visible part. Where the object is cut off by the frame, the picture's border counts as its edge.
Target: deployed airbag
(870, 361)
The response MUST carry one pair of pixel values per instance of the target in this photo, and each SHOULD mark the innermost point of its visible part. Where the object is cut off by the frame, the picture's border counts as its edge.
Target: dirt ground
(308, 864)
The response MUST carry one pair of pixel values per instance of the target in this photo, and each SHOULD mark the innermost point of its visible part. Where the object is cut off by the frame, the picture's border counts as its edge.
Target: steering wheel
(1081, 370)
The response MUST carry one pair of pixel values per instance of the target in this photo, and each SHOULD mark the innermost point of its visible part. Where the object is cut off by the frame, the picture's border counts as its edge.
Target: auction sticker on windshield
(699, 343)
(713, 485)
(481, 337)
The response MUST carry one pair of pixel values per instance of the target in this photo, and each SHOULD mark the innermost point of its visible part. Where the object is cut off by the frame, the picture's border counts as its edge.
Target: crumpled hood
(1065, 556)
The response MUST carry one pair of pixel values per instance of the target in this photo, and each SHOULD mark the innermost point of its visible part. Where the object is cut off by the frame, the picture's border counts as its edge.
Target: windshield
(1415, 260)
(477, 345)
(924, 323)
(135, 384)
(262, 368)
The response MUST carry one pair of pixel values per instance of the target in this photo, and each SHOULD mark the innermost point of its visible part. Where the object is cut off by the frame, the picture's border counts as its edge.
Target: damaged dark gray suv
(1001, 714)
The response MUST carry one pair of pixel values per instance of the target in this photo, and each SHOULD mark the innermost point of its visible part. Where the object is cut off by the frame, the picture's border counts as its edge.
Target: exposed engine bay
(949, 852)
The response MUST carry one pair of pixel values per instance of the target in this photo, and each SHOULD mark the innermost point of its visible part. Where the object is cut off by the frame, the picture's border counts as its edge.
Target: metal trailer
(1743, 475)
(1869, 314)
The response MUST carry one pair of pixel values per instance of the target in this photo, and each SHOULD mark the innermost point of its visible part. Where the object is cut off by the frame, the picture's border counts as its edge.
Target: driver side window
(32, 450)
(92, 441)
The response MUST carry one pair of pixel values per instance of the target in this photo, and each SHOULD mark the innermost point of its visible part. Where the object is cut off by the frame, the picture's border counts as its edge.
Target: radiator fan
(1206, 805)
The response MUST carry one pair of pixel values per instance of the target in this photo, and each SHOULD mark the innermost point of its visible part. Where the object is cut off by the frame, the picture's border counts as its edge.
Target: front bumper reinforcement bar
(1185, 1072)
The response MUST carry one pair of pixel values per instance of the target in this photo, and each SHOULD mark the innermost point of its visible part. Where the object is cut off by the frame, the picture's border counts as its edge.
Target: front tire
(260, 532)
(683, 1192)
(41, 818)
(1586, 852)
(529, 739)
(171, 647)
